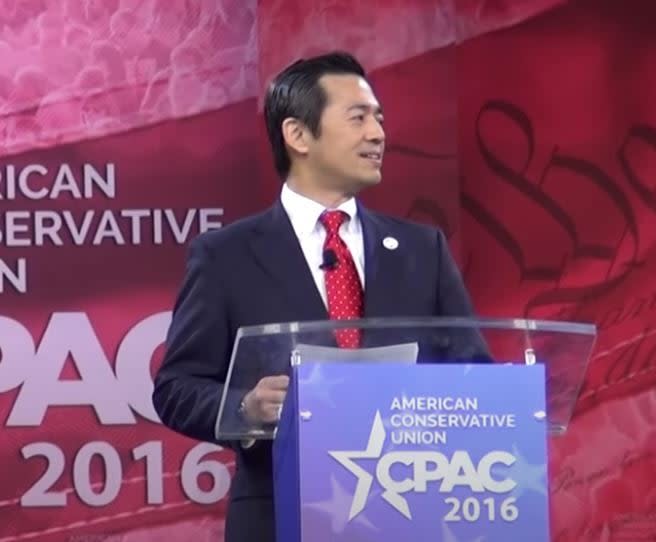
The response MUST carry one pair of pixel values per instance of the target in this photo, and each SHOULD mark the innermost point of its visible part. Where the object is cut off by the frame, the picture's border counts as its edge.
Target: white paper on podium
(397, 353)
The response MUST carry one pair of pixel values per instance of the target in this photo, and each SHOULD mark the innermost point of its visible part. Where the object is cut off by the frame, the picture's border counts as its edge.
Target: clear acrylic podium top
(563, 347)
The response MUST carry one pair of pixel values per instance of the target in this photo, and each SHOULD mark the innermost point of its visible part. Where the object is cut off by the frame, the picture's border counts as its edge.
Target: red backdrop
(532, 142)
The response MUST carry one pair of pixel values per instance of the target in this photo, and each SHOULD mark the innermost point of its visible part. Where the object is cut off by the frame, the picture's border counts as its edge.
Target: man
(316, 254)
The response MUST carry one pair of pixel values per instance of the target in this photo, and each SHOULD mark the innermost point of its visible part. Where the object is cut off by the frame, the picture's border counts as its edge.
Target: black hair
(296, 92)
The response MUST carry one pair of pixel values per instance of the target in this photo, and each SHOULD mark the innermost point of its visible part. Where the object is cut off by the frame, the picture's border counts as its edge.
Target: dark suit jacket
(254, 272)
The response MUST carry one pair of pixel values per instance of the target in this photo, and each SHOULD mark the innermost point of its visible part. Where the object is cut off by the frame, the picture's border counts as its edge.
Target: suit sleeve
(467, 344)
(189, 384)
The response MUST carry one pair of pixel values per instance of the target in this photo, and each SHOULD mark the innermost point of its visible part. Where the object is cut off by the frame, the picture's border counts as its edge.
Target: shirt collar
(304, 212)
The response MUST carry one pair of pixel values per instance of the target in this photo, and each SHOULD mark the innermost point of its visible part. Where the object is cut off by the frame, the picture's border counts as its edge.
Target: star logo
(374, 450)
(365, 479)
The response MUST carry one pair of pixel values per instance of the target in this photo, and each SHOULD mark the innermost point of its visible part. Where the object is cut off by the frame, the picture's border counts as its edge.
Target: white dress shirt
(304, 215)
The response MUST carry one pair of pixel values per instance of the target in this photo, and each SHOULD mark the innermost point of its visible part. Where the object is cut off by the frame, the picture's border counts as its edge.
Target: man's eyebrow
(378, 110)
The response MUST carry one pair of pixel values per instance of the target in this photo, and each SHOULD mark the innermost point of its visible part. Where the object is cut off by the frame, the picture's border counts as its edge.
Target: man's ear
(294, 133)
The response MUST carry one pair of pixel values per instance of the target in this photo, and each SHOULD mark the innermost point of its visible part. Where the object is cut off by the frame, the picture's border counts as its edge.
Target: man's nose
(375, 132)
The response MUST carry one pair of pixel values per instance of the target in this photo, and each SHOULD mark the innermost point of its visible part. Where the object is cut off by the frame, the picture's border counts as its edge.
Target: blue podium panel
(451, 453)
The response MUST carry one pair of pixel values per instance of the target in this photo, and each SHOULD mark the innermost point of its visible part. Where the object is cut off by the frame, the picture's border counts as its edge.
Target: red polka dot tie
(343, 288)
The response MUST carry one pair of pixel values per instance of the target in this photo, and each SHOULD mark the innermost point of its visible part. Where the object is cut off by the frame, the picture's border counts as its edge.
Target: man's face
(347, 155)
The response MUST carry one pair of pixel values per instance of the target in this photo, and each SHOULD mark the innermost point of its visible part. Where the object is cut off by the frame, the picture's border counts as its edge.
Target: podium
(434, 429)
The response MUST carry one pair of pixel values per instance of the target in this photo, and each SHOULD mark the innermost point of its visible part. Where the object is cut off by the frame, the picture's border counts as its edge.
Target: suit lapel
(279, 253)
(383, 267)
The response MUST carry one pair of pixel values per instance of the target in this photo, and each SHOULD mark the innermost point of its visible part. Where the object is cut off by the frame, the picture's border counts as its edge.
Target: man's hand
(263, 403)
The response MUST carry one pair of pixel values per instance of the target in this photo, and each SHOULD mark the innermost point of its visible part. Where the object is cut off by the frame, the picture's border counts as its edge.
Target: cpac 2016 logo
(427, 466)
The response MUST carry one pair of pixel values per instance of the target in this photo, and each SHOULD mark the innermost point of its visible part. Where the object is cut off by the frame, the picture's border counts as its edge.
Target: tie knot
(332, 220)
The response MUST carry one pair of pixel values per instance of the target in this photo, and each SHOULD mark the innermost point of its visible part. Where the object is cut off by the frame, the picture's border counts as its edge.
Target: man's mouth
(375, 156)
